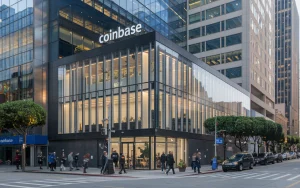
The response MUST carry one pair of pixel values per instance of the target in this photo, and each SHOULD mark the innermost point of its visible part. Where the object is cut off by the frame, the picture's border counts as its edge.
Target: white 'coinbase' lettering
(112, 35)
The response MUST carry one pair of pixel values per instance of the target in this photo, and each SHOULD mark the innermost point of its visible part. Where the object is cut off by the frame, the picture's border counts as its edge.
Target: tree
(258, 124)
(242, 131)
(20, 117)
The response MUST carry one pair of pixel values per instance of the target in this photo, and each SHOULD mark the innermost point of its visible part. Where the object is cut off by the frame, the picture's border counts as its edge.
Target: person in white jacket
(70, 160)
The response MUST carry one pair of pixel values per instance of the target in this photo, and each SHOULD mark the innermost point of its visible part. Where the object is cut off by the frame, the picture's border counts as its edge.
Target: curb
(209, 172)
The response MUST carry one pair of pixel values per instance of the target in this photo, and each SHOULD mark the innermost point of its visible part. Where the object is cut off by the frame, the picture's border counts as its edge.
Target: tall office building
(287, 61)
(118, 59)
(236, 37)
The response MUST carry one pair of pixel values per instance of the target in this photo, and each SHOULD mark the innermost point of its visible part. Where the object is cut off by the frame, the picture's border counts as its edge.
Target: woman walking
(86, 159)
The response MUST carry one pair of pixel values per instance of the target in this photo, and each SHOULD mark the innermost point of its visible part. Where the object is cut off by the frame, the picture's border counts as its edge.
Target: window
(213, 28)
(233, 6)
(213, 12)
(213, 60)
(213, 44)
(234, 23)
(234, 72)
(234, 39)
(196, 3)
(194, 48)
(233, 56)
(194, 33)
(194, 18)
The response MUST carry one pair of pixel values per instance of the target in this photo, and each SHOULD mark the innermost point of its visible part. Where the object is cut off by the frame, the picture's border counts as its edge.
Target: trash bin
(110, 168)
(214, 164)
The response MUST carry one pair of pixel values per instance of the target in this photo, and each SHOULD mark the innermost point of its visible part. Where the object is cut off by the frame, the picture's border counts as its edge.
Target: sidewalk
(130, 173)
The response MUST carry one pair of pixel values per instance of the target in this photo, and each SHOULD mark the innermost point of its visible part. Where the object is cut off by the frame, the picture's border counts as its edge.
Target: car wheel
(254, 164)
(273, 162)
(240, 167)
(224, 170)
(251, 166)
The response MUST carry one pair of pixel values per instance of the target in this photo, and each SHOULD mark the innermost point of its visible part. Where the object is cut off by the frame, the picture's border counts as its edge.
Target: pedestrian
(194, 162)
(163, 161)
(170, 162)
(115, 158)
(198, 162)
(104, 160)
(62, 161)
(70, 160)
(40, 158)
(122, 163)
(86, 159)
(51, 159)
(18, 159)
(76, 158)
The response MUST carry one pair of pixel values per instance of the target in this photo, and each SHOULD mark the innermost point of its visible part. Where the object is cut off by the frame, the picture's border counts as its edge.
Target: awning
(18, 140)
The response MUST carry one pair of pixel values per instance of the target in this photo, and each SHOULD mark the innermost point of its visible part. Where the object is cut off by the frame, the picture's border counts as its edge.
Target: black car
(239, 162)
(266, 158)
(278, 157)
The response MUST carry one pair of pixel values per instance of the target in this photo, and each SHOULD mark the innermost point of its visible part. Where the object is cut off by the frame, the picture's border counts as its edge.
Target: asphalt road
(282, 175)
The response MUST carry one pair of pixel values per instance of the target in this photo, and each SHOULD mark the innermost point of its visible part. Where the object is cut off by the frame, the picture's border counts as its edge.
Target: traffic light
(104, 131)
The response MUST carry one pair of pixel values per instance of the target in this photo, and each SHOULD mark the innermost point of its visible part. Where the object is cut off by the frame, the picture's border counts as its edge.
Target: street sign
(219, 140)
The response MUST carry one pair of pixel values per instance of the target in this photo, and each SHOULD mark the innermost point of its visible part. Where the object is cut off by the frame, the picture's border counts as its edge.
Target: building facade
(155, 94)
(287, 61)
(280, 117)
(236, 37)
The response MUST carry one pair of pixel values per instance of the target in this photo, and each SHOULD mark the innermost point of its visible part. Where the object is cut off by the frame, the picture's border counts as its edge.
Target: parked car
(239, 162)
(284, 156)
(266, 158)
(298, 155)
(288, 156)
(278, 157)
(293, 155)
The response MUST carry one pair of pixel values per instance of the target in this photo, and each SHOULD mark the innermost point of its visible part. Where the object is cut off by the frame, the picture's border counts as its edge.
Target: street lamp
(109, 131)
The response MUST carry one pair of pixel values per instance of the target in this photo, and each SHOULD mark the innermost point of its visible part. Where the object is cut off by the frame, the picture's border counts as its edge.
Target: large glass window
(234, 39)
(213, 60)
(194, 33)
(213, 44)
(213, 28)
(194, 18)
(234, 72)
(233, 6)
(213, 12)
(196, 3)
(194, 48)
(234, 23)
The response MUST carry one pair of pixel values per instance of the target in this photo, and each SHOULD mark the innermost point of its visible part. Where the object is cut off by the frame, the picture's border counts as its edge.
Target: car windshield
(236, 157)
(261, 155)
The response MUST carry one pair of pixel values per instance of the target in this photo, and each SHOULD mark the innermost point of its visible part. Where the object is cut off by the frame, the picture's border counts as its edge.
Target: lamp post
(215, 136)
(109, 131)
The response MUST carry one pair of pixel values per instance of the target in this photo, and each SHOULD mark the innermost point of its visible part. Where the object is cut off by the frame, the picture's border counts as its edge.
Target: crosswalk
(50, 182)
(253, 176)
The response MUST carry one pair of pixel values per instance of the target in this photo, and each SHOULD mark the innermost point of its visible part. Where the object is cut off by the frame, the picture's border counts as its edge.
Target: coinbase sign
(112, 35)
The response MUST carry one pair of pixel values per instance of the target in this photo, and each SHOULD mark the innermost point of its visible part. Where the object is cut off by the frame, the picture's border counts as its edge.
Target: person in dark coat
(76, 158)
(170, 162)
(40, 158)
(18, 159)
(163, 159)
(104, 160)
(86, 159)
(198, 162)
(115, 158)
(122, 163)
(55, 160)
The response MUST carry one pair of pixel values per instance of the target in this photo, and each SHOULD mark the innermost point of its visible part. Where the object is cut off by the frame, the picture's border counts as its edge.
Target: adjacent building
(287, 61)
(236, 37)
(155, 94)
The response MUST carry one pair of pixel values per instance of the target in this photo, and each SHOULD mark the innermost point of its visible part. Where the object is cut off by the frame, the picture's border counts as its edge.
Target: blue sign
(18, 140)
(219, 141)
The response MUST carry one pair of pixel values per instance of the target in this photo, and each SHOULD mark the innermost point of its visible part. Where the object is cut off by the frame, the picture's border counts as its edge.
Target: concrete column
(32, 154)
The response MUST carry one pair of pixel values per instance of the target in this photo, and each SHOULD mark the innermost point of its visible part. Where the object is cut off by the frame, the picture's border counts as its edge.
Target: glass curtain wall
(118, 85)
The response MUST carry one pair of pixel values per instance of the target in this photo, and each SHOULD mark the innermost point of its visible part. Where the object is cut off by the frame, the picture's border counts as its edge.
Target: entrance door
(128, 151)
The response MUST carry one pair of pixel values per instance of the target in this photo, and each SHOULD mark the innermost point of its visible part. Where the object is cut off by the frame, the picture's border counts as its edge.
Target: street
(282, 175)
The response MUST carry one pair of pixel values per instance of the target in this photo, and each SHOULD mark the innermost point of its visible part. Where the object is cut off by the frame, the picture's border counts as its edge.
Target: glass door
(128, 151)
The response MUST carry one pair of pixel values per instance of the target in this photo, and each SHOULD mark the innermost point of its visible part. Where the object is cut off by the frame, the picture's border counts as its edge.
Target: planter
(182, 169)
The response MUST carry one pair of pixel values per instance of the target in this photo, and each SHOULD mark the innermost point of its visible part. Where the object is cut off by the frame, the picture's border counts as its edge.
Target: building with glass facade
(287, 62)
(236, 37)
(156, 94)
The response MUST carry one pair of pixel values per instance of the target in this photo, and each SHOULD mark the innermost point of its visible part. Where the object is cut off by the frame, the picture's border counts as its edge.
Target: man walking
(122, 163)
(104, 162)
(70, 160)
(115, 158)
(86, 159)
(198, 162)
(62, 161)
(170, 162)
(18, 159)
(76, 158)
(163, 161)
(40, 160)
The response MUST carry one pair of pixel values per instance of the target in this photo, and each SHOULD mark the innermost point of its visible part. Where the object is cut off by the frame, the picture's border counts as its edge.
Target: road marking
(267, 176)
(14, 185)
(293, 178)
(292, 185)
(255, 176)
(238, 176)
(281, 177)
